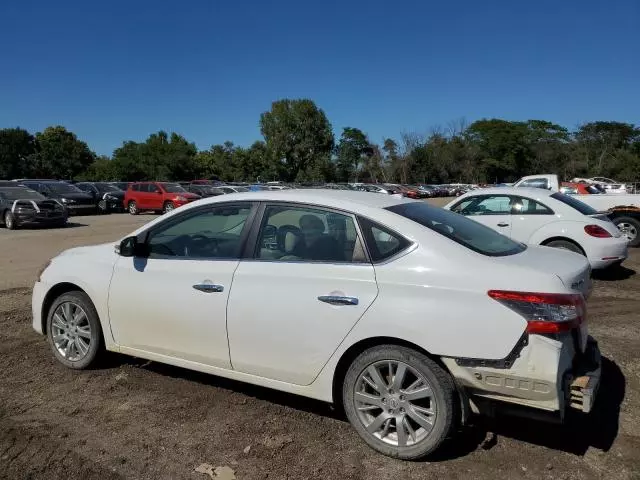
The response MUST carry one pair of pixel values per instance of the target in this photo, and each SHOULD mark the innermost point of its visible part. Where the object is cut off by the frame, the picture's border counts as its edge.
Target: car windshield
(460, 229)
(61, 187)
(106, 187)
(173, 188)
(574, 203)
(20, 194)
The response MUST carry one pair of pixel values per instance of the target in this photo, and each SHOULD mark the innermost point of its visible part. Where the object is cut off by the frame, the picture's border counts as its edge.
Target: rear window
(574, 203)
(460, 229)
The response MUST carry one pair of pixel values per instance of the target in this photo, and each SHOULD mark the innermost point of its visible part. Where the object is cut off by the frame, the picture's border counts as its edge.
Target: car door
(155, 197)
(527, 217)
(306, 285)
(173, 300)
(494, 211)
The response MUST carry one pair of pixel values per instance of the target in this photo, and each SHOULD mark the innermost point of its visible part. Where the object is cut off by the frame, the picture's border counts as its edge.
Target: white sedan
(408, 316)
(541, 217)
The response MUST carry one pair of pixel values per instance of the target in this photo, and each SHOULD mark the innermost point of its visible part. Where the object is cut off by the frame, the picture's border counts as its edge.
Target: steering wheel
(201, 243)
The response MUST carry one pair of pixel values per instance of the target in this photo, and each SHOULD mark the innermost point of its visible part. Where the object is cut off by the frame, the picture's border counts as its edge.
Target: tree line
(299, 146)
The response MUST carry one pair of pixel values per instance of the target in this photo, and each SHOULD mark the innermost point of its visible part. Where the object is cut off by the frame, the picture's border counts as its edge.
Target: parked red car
(157, 196)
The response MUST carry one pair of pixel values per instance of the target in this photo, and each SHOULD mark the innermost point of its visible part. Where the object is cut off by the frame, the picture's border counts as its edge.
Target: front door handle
(503, 224)
(209, 287)
(338, 300)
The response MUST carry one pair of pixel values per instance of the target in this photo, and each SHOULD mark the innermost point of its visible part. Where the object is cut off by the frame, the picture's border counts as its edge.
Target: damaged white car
(407, 316)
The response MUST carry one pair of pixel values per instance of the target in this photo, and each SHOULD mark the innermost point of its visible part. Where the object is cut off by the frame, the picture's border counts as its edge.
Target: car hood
(101, 250)
(114, 194)
(571, 268)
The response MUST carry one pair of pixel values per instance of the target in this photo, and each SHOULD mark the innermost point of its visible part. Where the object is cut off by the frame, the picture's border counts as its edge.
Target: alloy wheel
(628, 230)
(71, 331)
(168, 207)
(133, 208)
(395, 403)
(8, 220)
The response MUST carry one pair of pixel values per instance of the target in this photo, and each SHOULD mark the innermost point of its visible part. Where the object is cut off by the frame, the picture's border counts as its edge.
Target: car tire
(132, 206)
(74, 332)
(10, 220)
(102, 207)
(392, 404)
(168, 207)
(630, 227)
(565, 245)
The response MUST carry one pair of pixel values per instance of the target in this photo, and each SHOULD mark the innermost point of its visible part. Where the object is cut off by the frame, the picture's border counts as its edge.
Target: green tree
(160, 157)
(298, 136)
(59, 154)
(17, 147)
(352, 152)
(101, 170)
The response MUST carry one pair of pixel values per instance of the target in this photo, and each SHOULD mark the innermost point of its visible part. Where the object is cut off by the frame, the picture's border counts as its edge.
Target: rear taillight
(596, 231)
(544, 312)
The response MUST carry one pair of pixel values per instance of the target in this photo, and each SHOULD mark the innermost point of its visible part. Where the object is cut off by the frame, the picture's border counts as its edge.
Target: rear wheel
(73, 330)
(168, 207)
(630, 228)
(10, 220)
(132, 207)
(399, 401)
(565, 245)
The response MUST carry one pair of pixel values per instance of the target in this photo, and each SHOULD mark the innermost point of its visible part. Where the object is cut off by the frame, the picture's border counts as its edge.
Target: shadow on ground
(613, 274)
(598, 429)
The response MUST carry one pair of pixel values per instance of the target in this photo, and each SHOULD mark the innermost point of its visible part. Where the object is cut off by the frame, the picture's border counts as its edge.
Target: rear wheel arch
(563, 239)
(357, 348)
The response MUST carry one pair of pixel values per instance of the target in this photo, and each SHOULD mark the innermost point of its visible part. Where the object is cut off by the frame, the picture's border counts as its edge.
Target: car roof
(340, 199)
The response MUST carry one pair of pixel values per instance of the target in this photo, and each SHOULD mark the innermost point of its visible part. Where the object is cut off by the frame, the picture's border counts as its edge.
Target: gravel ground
(136, 419)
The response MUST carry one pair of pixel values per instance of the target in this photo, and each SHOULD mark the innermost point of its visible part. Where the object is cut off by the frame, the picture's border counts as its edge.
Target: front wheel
(132, 207)
(10, 220)
(399, 401)
(630, 228)
(102, 207)
(73, 330)
(168, 207)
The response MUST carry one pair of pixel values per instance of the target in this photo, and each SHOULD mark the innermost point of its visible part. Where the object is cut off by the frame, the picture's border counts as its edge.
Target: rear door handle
(503, 224)
(338, 300)
(209, 287)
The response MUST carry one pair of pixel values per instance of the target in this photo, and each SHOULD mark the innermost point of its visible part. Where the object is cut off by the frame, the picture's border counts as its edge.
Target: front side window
(208, 234)
(462, 230)
(527, 206)
(308, 234)
(484, 205)
(151, 188)
(136, 187)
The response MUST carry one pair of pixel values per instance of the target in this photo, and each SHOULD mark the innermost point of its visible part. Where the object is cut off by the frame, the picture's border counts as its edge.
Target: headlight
(109, 197)
(68, 200)
(181, 199)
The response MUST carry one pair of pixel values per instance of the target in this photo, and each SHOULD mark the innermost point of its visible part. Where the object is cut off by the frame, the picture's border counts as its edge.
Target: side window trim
(143, 237)
(250, 251)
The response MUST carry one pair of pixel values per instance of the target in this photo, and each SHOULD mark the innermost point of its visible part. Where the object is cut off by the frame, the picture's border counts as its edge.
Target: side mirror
(129, 247)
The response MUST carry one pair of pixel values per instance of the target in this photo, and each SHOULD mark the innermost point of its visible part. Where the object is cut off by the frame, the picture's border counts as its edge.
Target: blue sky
(119, 70)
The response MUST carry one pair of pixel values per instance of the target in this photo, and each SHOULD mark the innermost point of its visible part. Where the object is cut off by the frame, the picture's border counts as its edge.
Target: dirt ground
(137, 419)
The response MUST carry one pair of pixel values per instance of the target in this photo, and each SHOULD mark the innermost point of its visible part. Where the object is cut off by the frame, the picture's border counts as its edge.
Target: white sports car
(541, 217)
(408, 316)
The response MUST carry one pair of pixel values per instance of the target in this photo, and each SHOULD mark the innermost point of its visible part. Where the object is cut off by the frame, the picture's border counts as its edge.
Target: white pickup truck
(623, 208)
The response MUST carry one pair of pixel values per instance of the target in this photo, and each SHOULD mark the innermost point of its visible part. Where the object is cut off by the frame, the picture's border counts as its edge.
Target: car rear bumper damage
(548, 375)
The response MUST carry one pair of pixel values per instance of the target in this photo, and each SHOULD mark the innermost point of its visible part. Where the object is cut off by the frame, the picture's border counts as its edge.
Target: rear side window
(574, 203)
(484, 205)
(526, 206)
(135, 187)
(460, 229)
(382, 243)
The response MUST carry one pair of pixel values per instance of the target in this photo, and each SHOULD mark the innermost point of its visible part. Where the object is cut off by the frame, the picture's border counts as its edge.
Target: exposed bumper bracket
(585, 379)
